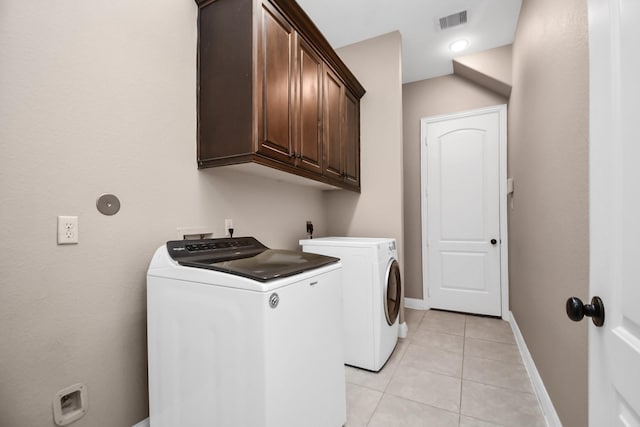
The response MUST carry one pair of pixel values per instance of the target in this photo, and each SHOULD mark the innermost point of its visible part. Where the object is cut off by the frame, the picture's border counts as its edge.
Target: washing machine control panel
(214, 249)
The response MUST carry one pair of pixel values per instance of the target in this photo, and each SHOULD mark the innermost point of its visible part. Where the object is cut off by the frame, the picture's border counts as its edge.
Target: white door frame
(504, 249)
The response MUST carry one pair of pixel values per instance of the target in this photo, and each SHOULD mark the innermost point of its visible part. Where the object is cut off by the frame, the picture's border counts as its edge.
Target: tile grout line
(464, 340)
(502, 387)
(501, 361)
(375, 409)
(425, 346)
(391, 376)
(423, 404)
(395, 369)
(443, 333)
(494, 341)
(486, 421)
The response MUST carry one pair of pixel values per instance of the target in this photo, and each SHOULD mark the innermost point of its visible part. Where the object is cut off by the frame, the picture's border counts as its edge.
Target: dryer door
(392, 292)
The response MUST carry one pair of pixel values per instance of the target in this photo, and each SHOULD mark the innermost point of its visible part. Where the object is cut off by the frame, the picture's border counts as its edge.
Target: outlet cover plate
(67, 230)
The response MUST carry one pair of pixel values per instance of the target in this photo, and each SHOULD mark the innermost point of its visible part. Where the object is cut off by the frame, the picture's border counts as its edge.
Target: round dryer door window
(392, 293)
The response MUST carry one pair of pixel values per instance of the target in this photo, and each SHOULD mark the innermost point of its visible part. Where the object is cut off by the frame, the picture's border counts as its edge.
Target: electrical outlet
(228, 223)
(67, 230)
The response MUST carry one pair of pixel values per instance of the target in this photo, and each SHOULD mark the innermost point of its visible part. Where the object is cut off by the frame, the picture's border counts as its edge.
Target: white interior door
(461, 210)
(614, 211)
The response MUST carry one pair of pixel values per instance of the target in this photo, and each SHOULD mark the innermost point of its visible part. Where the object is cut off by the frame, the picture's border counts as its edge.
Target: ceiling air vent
(453, 20)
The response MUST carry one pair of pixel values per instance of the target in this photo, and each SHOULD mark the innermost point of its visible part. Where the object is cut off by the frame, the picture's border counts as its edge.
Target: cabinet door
(351, 140)
(309, 108)
(332, 133)
(275, 71)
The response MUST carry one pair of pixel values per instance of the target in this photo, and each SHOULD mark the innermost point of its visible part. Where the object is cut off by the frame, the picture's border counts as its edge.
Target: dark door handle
(494, 241)
(576, 310)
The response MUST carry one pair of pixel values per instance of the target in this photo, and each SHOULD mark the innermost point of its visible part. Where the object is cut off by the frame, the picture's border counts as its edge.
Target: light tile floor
(452, 370)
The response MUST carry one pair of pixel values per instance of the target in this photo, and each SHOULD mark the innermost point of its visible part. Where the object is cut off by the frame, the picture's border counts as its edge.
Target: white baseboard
(548, 410)
(143, 423)
(420, 304)
(416, 304)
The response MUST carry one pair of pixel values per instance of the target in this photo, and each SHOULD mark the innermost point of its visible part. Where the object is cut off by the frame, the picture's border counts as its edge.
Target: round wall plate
(108, 204)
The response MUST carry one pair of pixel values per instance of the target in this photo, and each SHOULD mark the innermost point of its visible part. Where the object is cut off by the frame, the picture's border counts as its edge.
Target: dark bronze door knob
(576, 310)
(494, 241)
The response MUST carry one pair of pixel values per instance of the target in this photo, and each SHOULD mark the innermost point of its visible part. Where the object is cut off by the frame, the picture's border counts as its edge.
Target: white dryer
(371, 296)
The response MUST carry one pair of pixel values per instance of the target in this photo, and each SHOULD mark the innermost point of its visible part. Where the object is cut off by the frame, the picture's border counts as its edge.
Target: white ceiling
(425, 48)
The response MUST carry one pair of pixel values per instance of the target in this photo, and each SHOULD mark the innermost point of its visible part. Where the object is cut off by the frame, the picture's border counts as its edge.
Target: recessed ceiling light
(459, 45)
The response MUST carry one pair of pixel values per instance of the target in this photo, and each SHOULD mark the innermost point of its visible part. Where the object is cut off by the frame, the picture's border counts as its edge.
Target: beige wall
(548, 159)
(100, 97)
(377, 211)
(441, 95)
(494, 62)
(490, 68)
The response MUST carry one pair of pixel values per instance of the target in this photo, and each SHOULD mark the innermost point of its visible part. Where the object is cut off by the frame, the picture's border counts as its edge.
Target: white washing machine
(241, 335)
(371, 296)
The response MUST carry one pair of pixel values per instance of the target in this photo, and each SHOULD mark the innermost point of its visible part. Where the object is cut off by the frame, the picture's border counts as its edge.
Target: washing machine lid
(244, 256)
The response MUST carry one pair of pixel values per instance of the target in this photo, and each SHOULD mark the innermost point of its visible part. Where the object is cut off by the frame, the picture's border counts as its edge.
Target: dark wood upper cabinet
(272, 91)
(275, 100)
(309, 114)
(333, 138)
